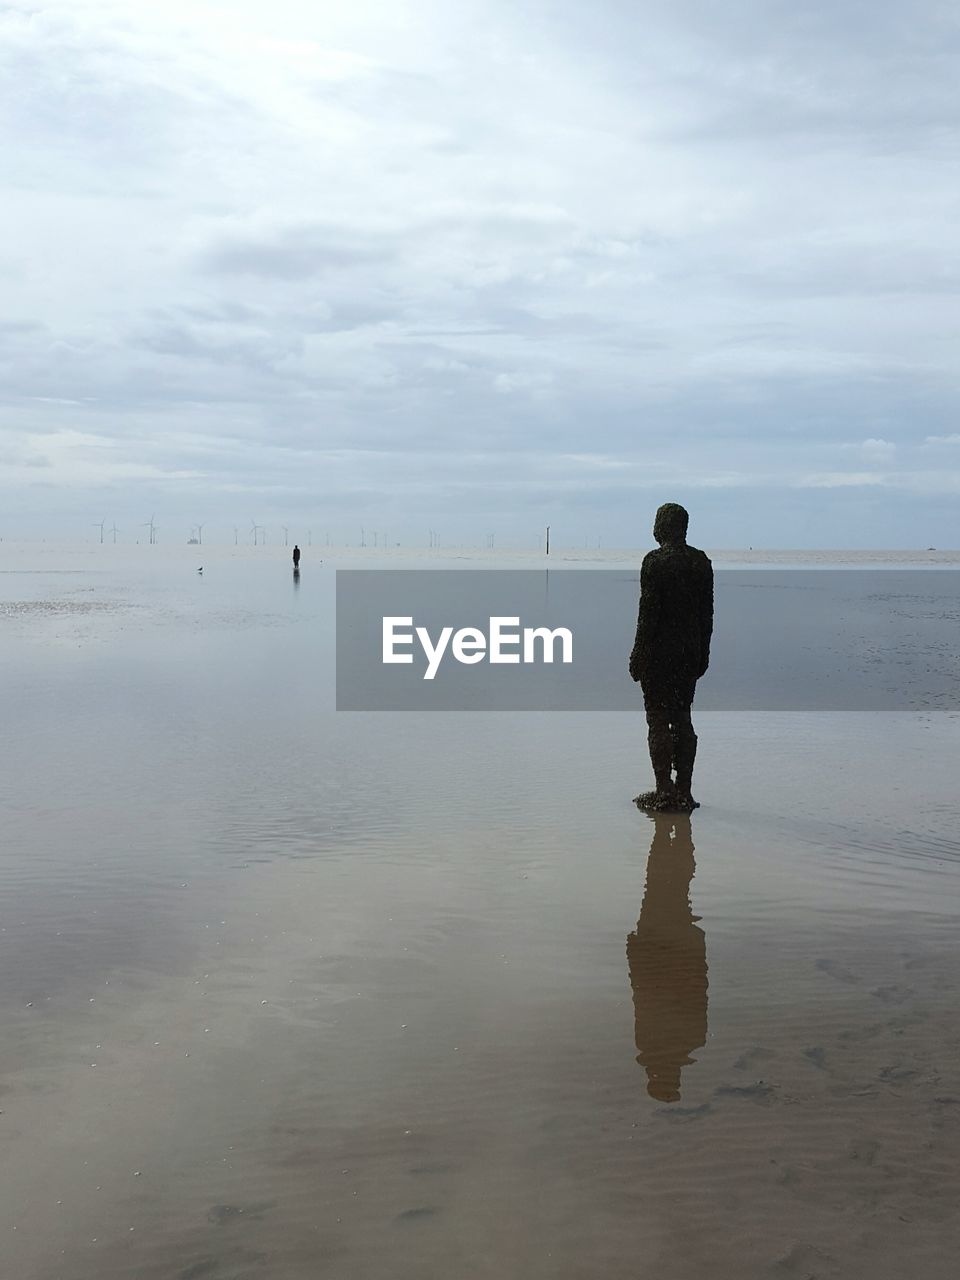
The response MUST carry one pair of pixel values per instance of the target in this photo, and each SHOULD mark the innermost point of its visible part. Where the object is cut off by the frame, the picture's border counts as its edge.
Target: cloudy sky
(476, 266)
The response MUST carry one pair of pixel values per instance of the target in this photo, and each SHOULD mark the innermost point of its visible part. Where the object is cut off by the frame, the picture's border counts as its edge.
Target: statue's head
(670, 524)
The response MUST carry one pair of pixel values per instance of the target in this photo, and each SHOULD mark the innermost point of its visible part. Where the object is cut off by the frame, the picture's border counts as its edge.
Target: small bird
(200, 570)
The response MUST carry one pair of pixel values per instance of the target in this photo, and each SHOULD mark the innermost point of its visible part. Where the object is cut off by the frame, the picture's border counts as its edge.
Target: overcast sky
(483, 266)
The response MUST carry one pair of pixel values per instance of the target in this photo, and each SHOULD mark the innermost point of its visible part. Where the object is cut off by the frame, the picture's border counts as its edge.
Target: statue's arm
(646, 615)
(706, 616)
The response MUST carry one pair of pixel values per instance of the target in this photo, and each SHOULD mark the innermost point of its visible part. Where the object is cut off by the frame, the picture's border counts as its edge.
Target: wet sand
(292, 995)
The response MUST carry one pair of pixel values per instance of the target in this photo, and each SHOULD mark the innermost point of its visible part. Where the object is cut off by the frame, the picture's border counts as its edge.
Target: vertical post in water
(548, 539)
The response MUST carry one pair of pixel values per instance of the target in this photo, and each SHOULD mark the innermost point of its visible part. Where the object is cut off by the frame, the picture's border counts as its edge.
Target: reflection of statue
(667, 957)
(670, 654)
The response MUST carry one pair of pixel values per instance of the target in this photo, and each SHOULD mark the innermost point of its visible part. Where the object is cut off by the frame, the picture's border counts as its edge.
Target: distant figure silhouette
(296, 557)
(671, 652)
(667, 958)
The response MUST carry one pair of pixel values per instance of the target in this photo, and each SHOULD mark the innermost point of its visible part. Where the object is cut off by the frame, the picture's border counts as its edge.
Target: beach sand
(292, 994)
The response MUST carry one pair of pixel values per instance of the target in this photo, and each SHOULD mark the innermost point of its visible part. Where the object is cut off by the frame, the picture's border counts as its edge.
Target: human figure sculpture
(296, 557)
(671, 652)
(667, 959)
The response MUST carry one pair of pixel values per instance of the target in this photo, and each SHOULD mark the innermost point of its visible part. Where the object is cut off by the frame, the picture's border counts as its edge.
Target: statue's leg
(678, 726)
(660, 742)
(684, 751)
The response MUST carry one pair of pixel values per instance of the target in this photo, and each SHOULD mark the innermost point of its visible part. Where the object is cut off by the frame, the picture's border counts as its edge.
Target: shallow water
(289, 993)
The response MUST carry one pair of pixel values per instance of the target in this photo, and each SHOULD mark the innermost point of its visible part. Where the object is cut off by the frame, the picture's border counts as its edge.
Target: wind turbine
(114, 531)
(236, 535)
(286, 535)
(255, 529)
(100, 527)
(200, 534)
(153, 530)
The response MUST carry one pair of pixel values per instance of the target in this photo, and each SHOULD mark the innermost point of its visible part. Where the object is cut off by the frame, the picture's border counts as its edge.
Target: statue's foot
(666, 802)
(686, 802)
(657, 801)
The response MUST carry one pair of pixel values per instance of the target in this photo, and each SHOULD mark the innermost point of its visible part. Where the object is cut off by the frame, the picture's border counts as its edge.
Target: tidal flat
(290, 993)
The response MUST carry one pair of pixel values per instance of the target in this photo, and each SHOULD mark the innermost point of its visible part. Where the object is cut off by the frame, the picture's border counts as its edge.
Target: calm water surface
(290, 994)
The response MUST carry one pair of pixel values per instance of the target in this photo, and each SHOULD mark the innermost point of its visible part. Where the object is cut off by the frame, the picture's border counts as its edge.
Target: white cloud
(532, 382)
(672, 245)
(842, 480)
(876, 450)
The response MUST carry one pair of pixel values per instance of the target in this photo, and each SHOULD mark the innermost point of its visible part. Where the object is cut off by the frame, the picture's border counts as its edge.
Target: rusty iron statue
(670, 654)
